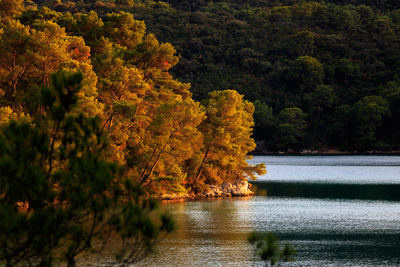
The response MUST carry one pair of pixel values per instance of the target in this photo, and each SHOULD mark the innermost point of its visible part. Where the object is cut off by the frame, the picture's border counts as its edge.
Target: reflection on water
(333, 209)
(210, 233)
(325, 232)
(338, 160)
(341, 177)
(325, 190)
(331, 169)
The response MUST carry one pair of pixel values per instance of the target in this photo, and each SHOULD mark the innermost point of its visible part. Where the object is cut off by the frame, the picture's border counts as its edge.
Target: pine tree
(227, 140)
(59, 194)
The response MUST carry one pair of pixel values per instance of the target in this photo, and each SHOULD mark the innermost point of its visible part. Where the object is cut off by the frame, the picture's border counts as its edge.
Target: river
(335, 210)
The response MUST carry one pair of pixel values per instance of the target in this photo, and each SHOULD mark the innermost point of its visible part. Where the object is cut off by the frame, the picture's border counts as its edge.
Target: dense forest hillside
(93, 126)
(166, 141)
(321, 74)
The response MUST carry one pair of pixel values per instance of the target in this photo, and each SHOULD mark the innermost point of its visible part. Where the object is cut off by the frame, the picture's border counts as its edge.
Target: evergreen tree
(227, 140)
(59, 195)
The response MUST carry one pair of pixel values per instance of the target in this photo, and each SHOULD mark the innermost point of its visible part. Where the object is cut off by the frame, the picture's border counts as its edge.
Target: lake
(355, 221)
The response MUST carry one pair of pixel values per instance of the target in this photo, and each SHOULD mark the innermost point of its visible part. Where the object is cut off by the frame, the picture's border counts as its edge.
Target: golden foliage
(166, 140)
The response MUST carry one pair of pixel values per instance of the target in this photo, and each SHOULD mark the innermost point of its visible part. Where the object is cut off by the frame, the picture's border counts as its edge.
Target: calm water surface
(325, 232)
(331, 169)
(348, 225)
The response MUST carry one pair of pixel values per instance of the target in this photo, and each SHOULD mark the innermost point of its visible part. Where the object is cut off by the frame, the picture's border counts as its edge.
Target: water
(331, 169)
(325, 232)
(338, 177)
(355, 221)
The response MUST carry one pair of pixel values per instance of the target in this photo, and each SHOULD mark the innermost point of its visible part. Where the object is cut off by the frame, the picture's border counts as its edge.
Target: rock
(240, 188)
(172, 196)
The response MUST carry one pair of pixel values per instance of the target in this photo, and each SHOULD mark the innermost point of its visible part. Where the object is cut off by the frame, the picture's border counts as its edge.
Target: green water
(336, 210)
(325, 232)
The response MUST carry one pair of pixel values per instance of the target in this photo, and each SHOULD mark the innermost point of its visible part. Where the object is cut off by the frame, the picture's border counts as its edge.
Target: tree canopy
(154, 125)
(90, 150)
(282, 54)
(60, 195)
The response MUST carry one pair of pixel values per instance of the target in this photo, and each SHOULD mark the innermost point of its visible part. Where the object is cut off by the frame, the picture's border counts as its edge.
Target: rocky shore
(238, 189)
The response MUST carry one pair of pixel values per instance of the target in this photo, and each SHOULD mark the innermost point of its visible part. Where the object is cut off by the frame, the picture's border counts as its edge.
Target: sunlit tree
(227, 140)
(59, 194)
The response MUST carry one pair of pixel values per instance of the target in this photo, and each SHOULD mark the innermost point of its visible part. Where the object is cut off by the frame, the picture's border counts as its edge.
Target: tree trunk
(202, 165)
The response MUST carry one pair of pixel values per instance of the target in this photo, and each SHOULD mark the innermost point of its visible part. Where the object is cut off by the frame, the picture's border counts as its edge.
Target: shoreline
(331, 152)
(244, 188)
(226, 190)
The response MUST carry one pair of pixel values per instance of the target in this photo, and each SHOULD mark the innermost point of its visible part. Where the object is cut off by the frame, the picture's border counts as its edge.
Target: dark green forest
(322, 74)
(93, 127)
(107, 104)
